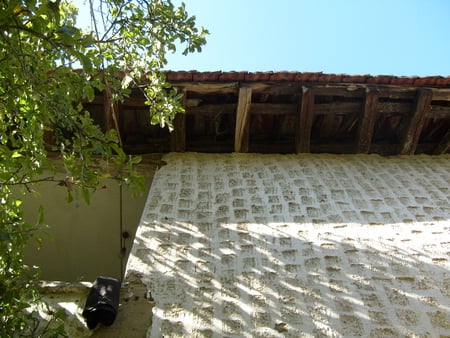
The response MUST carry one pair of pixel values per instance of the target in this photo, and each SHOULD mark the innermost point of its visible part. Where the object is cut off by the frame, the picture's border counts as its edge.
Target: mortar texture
(246, 245)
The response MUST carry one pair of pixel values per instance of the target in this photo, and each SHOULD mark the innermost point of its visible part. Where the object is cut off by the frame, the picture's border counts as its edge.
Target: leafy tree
(40, 95)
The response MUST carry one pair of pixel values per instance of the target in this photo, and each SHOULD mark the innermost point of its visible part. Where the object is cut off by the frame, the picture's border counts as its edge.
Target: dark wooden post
(242, 134)
(367, 124)
(414, 124)
(305, 121)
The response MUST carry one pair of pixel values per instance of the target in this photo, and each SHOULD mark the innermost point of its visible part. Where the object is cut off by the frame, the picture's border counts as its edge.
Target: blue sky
(392, 37)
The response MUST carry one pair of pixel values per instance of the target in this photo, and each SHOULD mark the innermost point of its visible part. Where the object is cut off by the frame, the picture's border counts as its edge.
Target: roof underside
(288, 112)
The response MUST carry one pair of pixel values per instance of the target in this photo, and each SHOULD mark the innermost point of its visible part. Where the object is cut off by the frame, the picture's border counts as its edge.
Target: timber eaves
(293, 112)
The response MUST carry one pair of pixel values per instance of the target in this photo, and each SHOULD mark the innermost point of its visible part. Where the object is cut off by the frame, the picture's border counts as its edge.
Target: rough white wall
(246, 245)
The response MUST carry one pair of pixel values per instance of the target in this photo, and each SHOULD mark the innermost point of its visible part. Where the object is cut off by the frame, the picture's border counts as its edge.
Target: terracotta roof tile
(258, 76)
(356, 78)
(232, 76)
(280, 76)
(310, 77)
(206, 76)
(445, 81)
(428, 80)
(283, 76)
(381, 79)
(179, 76)
(403, 80)
(331, 77)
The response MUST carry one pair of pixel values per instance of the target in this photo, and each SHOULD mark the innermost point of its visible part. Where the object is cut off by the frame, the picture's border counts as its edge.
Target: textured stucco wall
(245, 245)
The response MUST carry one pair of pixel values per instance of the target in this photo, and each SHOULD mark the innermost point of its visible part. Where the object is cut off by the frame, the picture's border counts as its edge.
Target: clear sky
(377, 37)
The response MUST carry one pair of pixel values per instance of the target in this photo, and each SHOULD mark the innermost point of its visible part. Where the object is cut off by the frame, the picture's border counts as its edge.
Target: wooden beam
(346, 91)
(178, 134)
(367, 124)
(331, 108)
(444, 145)
(440, 112)
(305, 121)
(212, 109)
(207, 88)
(134, 102)
(414, 125)
(441, 94)
(337, 107)
(241, 139)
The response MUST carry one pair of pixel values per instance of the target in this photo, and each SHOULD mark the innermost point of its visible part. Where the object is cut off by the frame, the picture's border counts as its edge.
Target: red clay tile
(381, 79)
(356, 78)
(206, 76)
(282, 76)
(232, 76)
(445, 81)
(179, 76)
(432, 80)
(403, 80)
(308, 77)
(421, 81)
(331, 77)
(258, 76)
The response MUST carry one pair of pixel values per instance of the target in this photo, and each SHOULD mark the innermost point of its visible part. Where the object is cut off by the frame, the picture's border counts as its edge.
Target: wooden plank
(305, 121)
(207, 88)
(336, 107)
(444, 145)
(439, 112)
(178, 134)
(256, 109)
(134, 102)
(212, 109)
(336, 90)
(273, 109)
(242, 120)
(331, 108)
(394, 107)
(414, 125)
(441, 94)
(367, 124)
(273, 88)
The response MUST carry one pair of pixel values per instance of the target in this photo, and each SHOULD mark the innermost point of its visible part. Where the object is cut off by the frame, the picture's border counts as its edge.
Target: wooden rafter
(444, 145)
(367, 124)
(207, 88)
(241, 140)
(305, 121)
(411, 135)
(178, 135)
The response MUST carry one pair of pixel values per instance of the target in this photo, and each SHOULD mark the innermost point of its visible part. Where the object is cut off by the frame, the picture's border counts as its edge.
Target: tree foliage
(48, 65)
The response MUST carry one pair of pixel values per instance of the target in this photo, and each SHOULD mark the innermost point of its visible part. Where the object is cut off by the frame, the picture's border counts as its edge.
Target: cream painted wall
(83, 241)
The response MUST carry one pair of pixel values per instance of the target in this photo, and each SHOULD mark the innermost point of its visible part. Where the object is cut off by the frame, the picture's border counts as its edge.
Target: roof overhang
(292, 112)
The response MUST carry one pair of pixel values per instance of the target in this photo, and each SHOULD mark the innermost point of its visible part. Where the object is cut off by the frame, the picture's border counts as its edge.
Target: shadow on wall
(296, 247)
(251, 280)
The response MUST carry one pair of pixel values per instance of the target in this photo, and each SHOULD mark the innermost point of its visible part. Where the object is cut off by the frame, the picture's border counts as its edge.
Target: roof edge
(316, 77)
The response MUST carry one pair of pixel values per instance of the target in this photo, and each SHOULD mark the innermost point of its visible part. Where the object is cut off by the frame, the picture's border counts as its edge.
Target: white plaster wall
(245, 245)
